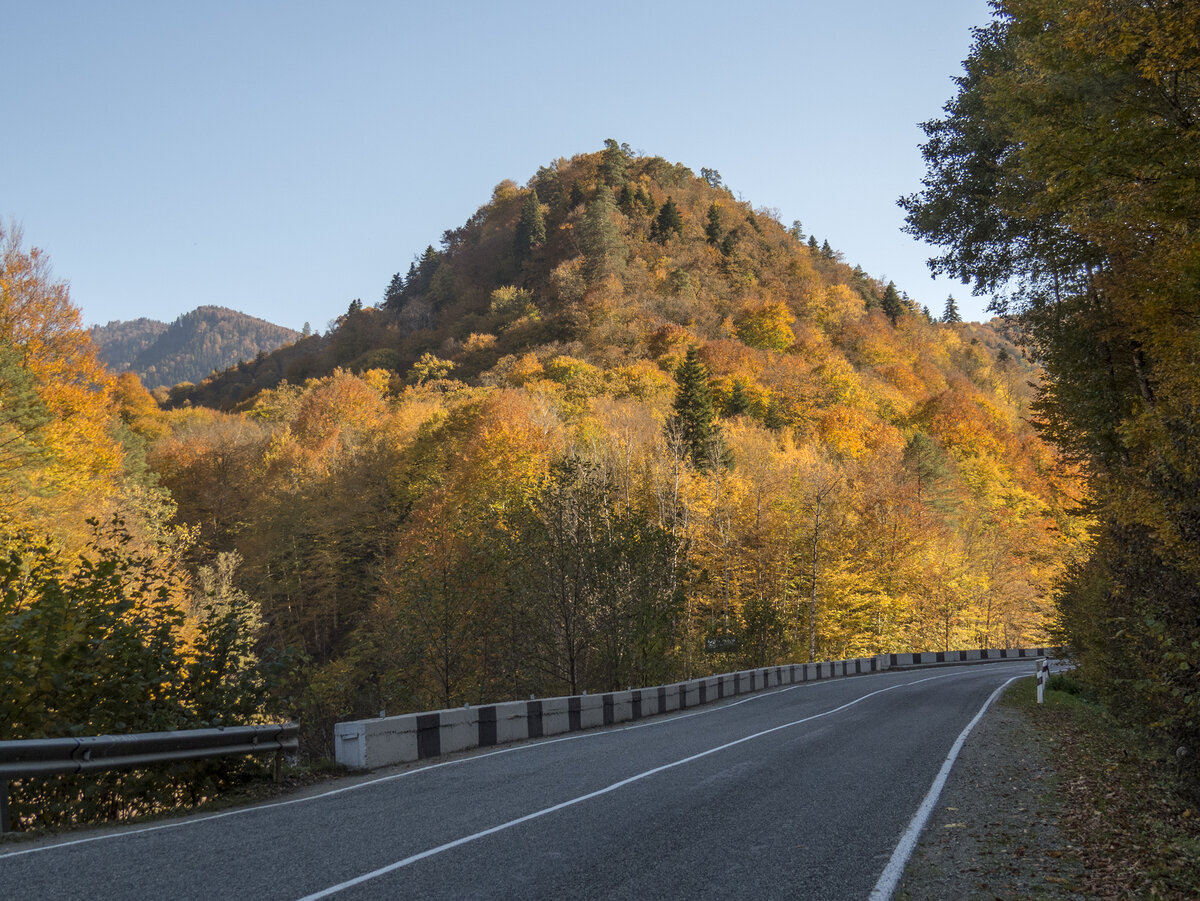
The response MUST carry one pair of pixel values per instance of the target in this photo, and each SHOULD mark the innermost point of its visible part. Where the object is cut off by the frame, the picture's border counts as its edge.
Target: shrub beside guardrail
(50, 756)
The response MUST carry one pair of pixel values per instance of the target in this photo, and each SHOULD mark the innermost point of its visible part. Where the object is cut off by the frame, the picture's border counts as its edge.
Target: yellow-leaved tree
(57, 412)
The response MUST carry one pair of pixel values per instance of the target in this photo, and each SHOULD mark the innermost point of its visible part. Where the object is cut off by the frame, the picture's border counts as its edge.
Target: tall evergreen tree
(695, 420)
(892, 303)
(604, 249)
(614, 164)
(712, 229)
(951, 314)
(531, 227)
(667, 222)
(394, 293)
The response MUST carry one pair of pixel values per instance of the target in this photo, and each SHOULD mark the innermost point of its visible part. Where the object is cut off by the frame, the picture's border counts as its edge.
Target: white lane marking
(908, 841)
(399, 864)
(657, 720)
(527, 745)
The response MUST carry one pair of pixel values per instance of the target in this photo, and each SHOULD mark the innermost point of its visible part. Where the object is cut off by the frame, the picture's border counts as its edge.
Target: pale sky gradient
(284, 158)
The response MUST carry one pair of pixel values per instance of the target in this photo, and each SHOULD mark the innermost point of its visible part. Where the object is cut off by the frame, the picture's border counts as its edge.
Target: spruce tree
(695, 420)
(891, 303)
(604, 249)
(712, 230)
(531, 228)
(951, 313)
(394, 292)
(812, 243)
(667, 221)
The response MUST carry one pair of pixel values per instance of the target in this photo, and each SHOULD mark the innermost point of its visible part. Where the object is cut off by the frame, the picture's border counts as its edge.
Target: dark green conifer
(531, 228)
(712, 230)
(695, 421)
(951, 314)
(812, 243)
(667, 222)
(614, 164)
(891, 303)
(394, 292)
(604, 249)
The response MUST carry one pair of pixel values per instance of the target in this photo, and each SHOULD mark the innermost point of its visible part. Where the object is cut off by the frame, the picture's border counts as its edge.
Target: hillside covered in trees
(618, 413)
(208, 339)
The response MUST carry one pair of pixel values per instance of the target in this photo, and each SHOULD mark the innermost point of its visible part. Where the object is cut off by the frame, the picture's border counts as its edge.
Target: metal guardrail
(94, 753)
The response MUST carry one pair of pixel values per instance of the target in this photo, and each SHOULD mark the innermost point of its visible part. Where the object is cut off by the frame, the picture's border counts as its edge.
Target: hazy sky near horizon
(283, 158)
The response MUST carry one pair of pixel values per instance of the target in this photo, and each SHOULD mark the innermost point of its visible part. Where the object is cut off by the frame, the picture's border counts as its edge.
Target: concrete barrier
(372, 743)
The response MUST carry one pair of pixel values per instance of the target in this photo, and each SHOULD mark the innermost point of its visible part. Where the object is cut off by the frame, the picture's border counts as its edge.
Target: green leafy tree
(1055, 174)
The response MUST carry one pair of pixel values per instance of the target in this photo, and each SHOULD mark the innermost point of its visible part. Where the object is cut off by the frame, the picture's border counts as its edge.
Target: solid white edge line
(527, 745)
(890, 877)
(414, 858)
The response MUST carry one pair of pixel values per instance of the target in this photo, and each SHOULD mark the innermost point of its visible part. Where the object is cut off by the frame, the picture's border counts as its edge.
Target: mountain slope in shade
(206, 340)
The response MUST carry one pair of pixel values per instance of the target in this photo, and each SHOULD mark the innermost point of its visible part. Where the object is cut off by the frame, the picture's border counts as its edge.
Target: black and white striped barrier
(383, 741)
(1043, 676)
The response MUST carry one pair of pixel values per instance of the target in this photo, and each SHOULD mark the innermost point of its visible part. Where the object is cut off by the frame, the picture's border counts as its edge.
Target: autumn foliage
(618, 413)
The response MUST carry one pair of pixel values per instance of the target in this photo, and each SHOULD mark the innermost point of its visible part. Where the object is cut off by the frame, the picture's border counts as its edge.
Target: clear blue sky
(284, 158)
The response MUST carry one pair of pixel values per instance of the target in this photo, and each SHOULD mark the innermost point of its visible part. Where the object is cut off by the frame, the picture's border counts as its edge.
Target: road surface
(798, 792)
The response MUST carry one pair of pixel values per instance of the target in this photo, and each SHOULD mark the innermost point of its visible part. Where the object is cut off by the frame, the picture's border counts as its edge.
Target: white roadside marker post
(1043, 673)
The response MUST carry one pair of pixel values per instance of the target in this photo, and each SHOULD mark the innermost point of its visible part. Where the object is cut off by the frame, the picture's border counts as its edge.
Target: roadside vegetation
(1133, 833)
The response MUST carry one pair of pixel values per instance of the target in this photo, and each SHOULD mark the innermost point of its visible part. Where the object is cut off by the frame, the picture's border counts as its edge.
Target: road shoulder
(997, 830)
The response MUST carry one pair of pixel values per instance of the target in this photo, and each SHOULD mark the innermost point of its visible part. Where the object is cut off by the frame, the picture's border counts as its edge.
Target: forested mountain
(206, 340)
(617, 413)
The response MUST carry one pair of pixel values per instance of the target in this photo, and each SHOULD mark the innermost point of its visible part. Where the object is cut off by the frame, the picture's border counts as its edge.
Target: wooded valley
(622, 428)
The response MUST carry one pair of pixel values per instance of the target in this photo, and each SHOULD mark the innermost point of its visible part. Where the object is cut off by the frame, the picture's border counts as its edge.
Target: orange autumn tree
(67, 390)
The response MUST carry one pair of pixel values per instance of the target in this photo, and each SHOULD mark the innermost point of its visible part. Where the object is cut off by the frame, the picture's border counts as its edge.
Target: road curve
(800, 792)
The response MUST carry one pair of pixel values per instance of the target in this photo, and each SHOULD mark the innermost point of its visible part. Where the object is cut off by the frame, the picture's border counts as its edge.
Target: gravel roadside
(996, 833)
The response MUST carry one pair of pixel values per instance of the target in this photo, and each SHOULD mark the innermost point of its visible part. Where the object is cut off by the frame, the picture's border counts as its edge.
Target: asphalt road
(799, 792)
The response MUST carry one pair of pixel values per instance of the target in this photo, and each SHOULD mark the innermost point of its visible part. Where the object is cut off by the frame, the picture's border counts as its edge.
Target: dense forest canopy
(616, 413)
(1064, 172)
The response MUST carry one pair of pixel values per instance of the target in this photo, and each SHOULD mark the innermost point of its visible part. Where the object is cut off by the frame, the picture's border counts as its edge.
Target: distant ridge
(207, 339)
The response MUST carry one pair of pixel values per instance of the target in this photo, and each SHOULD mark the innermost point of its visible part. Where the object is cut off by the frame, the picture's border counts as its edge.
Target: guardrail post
(1043, 670)
(5, 821)
(277, 768)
